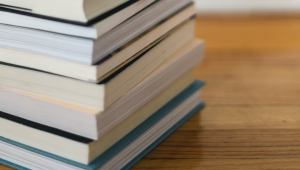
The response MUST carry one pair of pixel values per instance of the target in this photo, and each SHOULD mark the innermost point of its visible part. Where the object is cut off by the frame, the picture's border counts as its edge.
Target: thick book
(95, 96)
(93, 29)
(95, 123)
(80, 11)
(164, 35)
(124, 153)
(80, 149)
(92, 51)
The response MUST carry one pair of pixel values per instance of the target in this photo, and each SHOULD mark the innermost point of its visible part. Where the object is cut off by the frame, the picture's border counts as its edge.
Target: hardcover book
(54, 141)
(90, 51)
(124, 153)
(95, 123)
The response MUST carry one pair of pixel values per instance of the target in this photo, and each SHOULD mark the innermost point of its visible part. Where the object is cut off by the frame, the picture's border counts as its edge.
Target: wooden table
(252, 117)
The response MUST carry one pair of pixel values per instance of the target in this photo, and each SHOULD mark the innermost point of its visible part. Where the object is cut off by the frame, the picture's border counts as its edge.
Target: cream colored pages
(85, 153)
(113, 136)
(72, 10)
(66, 9)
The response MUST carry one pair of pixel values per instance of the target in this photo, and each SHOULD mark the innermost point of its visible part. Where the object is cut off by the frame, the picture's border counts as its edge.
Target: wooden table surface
(252, 116)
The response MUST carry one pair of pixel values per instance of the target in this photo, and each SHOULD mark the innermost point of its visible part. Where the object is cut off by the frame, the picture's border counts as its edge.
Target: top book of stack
(74, 32)
(81, 12)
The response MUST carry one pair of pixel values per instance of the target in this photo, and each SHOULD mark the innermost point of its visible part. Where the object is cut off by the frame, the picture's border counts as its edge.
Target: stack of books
(94, 84)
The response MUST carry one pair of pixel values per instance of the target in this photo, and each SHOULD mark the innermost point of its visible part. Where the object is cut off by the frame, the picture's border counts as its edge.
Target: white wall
(247, 5)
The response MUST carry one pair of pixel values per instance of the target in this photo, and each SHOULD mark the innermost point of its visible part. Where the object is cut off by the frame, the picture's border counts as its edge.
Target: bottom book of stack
(123, 154)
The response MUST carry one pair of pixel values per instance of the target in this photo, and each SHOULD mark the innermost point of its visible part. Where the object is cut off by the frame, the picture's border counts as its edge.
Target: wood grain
(252, 117)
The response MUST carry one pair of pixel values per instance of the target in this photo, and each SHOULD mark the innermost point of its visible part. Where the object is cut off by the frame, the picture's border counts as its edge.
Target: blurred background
(249, 24)
(216, 6)
(252, 62)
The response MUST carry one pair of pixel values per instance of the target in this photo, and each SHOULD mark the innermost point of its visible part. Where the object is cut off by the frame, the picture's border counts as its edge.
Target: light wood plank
(252, 120)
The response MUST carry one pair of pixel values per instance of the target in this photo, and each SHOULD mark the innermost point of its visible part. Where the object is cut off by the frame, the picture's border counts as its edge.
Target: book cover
(106, 156)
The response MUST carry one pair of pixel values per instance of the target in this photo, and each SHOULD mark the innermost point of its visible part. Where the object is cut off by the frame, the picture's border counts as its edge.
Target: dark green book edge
(141, 155)
(12, 165)
(106, 156)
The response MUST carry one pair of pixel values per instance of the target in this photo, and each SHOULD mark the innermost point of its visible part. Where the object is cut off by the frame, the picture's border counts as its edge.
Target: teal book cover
(110, 153)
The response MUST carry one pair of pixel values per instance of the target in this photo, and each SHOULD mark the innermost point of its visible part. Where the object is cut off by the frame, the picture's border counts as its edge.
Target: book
(80, 149)
(95, 123)
(93, 29)
(124, 153)
(96, 96)
(92, 51)
(167, 31)
(80, 11)
(94, 84)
